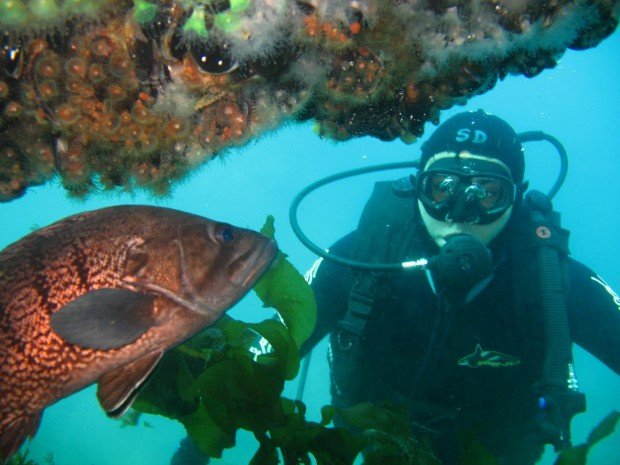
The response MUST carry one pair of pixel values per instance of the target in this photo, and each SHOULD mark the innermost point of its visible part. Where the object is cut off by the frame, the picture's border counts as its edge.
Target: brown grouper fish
(100, 297)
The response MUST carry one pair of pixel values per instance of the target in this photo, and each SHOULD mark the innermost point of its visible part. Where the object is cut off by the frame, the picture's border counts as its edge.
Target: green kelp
(578, 455)
(228, 377)
(21, 458)
(284, 289)
(387, 432)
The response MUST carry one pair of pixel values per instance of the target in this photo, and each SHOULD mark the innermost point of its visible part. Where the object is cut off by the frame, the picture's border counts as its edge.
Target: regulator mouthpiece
(462, 263)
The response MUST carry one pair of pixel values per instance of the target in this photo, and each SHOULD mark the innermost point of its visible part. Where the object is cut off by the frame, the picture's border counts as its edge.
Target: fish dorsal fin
(13, 432)
(105, 319)
(116, 390)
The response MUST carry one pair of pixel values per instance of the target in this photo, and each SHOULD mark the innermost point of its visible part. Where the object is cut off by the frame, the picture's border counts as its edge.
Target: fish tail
(14, 429)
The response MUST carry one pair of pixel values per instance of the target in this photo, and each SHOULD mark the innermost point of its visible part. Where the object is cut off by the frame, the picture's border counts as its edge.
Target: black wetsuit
(467, 370)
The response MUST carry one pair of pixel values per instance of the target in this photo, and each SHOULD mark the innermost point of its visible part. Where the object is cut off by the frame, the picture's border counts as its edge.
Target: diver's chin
(440, 231)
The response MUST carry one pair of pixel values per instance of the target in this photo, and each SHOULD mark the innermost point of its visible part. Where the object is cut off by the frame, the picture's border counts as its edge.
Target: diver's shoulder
(344, 245)
(579, 270)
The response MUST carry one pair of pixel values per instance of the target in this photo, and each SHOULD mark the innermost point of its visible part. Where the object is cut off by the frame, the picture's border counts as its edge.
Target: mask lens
(487, 195)
(492, 193)
(437, 189)
(441, 186)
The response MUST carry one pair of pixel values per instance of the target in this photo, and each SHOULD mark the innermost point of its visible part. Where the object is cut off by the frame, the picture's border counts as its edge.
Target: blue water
(578, 102)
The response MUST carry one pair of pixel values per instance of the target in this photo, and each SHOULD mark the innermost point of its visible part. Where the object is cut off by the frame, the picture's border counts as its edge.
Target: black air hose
(556, 323)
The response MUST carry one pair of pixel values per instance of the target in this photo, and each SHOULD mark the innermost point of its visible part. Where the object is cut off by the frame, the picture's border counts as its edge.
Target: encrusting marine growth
(126, 94)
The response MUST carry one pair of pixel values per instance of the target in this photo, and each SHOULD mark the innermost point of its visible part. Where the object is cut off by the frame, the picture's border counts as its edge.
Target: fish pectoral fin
(117, 389)
(105, 319)
(14, 430)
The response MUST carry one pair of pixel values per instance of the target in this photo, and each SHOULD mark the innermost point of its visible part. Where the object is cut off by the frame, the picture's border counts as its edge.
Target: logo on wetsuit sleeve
(488, 358)
(607, 287)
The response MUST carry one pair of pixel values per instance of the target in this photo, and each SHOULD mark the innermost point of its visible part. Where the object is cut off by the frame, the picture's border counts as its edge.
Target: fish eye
(213, 59)
(225, 234)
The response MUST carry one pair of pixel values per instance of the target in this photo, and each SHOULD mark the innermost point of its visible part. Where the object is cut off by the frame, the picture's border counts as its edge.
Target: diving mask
(466, 190)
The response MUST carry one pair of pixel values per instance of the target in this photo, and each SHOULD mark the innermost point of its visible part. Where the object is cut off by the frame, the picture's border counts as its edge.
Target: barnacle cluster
(125, 94)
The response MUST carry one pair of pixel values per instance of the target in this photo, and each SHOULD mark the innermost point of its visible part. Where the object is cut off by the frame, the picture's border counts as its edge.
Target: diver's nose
(463, 210)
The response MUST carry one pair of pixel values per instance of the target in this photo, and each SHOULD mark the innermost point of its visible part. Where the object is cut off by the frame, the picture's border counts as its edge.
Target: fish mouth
(250, 266)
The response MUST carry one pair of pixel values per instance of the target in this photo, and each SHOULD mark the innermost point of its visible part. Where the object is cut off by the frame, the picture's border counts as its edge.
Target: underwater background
(578, 102)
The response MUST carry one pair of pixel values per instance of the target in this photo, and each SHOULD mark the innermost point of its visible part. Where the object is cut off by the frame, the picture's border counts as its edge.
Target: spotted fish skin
(123, 284)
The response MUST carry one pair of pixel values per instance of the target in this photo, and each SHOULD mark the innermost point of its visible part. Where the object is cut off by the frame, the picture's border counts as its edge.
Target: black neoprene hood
(479, 133)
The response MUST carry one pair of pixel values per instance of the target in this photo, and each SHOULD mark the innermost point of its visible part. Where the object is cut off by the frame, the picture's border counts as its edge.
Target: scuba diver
(478, 347)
